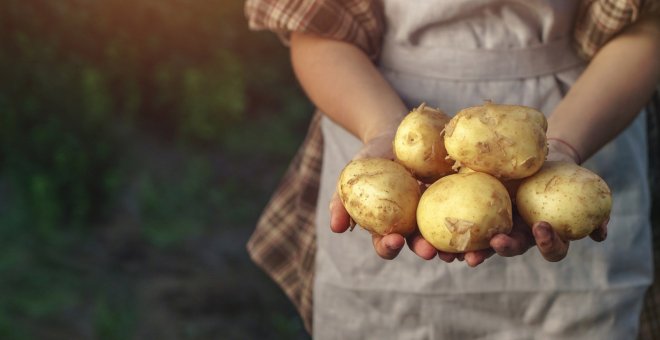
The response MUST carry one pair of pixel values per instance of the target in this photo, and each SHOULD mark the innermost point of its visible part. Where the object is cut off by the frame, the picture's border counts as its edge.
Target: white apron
(452, 55)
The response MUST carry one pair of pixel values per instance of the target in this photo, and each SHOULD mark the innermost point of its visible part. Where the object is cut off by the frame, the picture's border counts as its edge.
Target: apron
(454, 55)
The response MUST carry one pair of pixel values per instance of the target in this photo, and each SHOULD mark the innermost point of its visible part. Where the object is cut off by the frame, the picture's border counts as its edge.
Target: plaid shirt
(284, 241)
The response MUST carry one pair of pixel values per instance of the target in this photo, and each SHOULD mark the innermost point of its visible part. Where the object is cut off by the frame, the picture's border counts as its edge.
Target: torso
(451, 57)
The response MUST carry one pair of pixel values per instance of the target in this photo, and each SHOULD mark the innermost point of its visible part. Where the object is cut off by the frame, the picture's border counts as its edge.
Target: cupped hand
(549, 243)
(521, 238)
(388, 246)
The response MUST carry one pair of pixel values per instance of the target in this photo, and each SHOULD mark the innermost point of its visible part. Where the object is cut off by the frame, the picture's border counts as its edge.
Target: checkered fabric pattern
(599, 21)
(284, 241)
(359, 22)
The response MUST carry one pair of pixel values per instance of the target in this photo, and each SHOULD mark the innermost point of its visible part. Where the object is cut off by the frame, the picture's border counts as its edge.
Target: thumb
(551, 246)
(340, 221)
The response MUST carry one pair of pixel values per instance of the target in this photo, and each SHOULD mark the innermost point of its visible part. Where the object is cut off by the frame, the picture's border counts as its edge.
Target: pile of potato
(479, 165)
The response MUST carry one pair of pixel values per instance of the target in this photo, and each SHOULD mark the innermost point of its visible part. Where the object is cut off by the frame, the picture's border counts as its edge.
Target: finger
(551, 246)
(507, 245)
(388, 246)
(340, 221)
(460, 256)
(475, 258)
(600, 234)
(514, 244)
(421, 247)
(447, 257)
(517, 242)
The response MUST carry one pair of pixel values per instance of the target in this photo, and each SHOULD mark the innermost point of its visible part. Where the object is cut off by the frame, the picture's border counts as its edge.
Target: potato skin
(510, 185)
(506, 141)
(462, 212)
(574, 200)
(380, 195)
(419, 144)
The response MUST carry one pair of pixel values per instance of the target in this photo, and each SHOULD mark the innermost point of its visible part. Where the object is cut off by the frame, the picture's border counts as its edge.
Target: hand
(388, 246)
(552, 247)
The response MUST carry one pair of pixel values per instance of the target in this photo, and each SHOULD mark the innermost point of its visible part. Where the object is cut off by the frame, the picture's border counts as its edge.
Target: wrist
(561, 150)
(384, 127)
(378, 147)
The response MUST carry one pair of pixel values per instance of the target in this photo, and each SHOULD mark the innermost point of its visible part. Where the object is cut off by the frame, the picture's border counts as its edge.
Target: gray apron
(452, 55)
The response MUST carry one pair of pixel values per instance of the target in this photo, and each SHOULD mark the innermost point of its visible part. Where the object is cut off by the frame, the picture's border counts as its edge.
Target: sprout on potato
(462, 212)
(419, 144)
(506, 141)
(380, 195)
(574, 200)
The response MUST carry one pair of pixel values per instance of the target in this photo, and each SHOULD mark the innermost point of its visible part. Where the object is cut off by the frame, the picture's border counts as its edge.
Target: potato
(419, 144)
(574, 200)
(506, 141)
(462, 212)
(380, 195)
(510, 185)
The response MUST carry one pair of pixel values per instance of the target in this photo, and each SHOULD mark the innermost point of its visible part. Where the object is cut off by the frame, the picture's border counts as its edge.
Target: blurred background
(139, 142)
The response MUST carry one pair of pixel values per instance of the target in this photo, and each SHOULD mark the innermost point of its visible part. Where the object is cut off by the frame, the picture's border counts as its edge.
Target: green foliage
(192, 197)
(162, 110)
(114, 319)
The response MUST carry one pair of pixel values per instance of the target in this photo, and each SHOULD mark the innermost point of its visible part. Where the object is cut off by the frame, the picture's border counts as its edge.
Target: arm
(612, 90)
(347, 87)
(616, 84)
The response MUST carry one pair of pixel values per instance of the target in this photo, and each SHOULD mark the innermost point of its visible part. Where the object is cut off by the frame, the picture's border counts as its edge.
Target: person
(364, 64)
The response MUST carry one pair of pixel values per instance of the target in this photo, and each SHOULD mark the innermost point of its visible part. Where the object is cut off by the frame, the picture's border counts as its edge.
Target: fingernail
(542, 231)
(390, 246)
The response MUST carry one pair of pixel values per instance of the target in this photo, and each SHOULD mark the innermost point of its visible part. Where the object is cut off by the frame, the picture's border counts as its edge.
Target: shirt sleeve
(358, 22)
(600, 20)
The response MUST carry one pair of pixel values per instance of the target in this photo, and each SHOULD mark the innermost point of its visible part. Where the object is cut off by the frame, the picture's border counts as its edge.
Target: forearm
(615, 86)
(345, 85)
